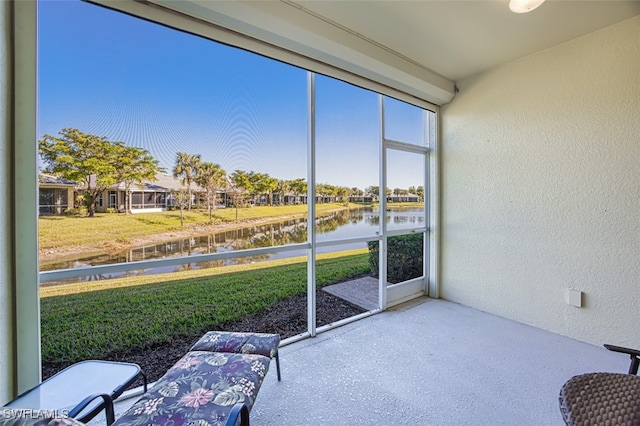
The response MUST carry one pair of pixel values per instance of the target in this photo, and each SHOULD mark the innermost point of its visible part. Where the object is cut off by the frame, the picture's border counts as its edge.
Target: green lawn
(68, 231)
(89, 321)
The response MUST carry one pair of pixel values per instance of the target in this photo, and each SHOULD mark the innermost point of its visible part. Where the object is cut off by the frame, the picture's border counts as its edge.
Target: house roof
(46, 179)
(163, 182)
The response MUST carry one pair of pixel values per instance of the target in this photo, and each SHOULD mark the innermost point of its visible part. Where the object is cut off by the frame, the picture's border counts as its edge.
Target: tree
(270, 185)
(342, 193)
(185, 168)
(282, 188)
(257, 185)
(242, 183)
(182, 198)
(236, 193)
(320, 192)
(211, 177)
(298, 186)
(135, 166)
(77, 156)
(262, 183)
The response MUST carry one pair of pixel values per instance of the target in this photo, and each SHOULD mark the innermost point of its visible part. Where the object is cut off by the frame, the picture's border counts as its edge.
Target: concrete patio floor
(426, 362)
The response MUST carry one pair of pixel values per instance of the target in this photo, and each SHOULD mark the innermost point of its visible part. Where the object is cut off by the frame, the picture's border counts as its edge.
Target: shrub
(79, 211)
(404, 257)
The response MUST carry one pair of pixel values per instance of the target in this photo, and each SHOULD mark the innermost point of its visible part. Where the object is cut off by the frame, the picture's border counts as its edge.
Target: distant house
(55, 194)
(362, 199)
(404, 198)
(292, 198)
(147, 197)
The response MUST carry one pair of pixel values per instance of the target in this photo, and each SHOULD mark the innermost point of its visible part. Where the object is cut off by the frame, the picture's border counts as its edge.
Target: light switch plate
(574, 298)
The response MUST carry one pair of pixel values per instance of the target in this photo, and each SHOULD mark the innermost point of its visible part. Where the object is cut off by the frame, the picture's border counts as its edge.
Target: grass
(83, 322)
(63, 231)
(90, 320)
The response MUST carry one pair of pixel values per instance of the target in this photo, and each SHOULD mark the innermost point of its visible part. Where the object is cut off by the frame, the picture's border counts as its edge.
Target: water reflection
(338, 225)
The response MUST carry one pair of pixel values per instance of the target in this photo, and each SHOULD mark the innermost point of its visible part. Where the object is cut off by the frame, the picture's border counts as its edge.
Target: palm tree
(270, 184)
(342, 192)
(298, 187)
(282, 188)
(211, 177)
(186, 168)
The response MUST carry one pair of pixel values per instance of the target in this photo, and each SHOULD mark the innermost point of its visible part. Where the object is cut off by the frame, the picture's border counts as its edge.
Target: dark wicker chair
(603, 399)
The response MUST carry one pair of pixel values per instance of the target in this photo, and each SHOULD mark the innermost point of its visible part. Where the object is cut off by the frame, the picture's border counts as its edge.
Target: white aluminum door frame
(398, 293)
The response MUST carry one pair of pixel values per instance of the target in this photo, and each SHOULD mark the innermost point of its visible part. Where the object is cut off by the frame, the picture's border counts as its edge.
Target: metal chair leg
(278, 365)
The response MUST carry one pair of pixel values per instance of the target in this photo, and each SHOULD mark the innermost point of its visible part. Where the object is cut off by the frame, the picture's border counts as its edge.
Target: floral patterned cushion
(200, 390)
(239, 343)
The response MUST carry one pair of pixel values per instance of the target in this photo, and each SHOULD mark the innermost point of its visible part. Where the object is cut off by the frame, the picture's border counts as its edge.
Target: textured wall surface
(541, 188)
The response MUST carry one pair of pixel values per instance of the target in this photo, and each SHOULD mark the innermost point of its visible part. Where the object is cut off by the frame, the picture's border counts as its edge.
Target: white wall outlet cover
(574, 297)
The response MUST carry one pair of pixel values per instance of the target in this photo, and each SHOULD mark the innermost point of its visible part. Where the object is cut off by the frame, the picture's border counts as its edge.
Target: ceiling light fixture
(524, 6)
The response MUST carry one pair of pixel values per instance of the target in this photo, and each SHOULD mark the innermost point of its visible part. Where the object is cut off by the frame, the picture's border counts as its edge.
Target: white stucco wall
(6, 295)
(541, 188)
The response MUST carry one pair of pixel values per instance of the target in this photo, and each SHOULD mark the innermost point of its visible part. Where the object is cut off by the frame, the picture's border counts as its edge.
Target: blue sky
(109, 74)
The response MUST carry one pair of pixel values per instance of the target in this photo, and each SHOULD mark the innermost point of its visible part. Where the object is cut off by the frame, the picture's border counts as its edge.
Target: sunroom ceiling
(457, 39)
(420, 47)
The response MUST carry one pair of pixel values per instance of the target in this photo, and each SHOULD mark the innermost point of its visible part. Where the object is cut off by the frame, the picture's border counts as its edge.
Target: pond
(339, 225)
